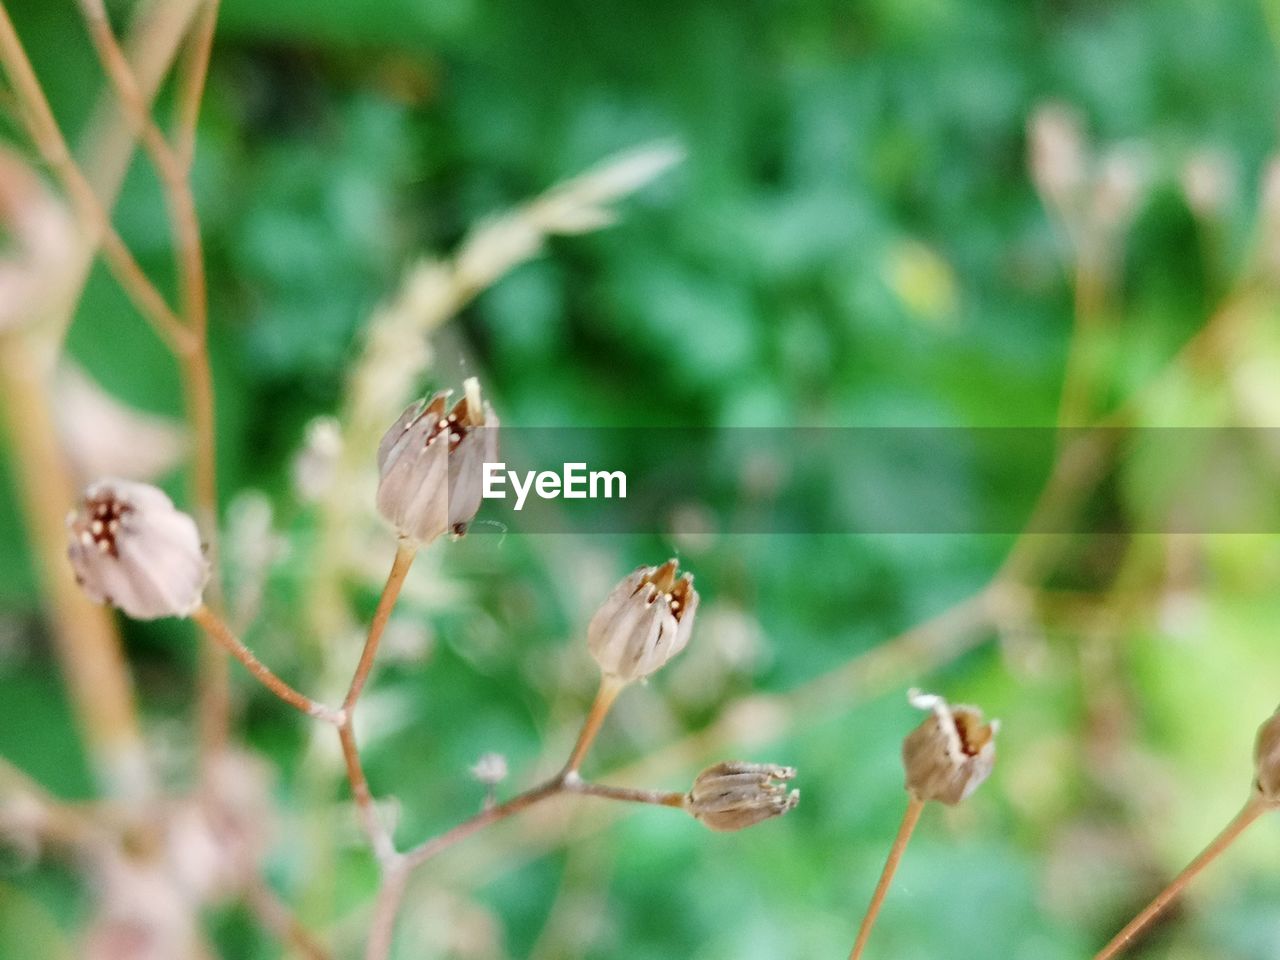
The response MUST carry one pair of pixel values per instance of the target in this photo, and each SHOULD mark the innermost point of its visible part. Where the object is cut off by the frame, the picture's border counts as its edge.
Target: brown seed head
(133, 549)
(431, 464)
(949, 755)
(645, 621)
(734, 794)
(1266, 760)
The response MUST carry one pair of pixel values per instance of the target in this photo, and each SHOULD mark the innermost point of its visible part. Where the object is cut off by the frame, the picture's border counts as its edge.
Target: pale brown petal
(645, 621)
(130, 547)
(949, 755)
(431, 465)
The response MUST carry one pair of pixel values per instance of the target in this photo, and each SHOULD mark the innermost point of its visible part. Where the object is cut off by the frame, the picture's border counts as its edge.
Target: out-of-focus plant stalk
(87, 643)
(192, 73)
(155, 36)
(191, 351)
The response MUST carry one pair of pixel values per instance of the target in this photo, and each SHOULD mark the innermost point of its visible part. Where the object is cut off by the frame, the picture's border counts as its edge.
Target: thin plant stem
(658, 798)
(909, 820)
(437, 844)
(278, 920)
(1230, 833)
(173, 175)
(155, 35)
(406, 550)
(387, 906)
(45, 133)
(399, 865)
(215, 699)
(215, 677)
(386, 910)
(218, 630)
(557, 785)
(87, 642)
(192, 72)
(607, 693)
(375, 830)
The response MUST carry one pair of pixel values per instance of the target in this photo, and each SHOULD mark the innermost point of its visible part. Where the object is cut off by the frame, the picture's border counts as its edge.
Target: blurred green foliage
(852, 240)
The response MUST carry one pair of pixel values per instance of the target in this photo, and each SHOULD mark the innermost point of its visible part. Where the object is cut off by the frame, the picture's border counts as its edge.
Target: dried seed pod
(645, 622)
(133, 549)
(734, 794)
(1266, 760)
(949, 755)
(431, 464)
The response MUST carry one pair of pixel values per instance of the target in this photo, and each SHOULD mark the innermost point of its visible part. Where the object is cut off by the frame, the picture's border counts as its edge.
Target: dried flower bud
(733, 795)
(431, 464)
(1266, 760)
(133, 549)
(949, 755)
(645, 622)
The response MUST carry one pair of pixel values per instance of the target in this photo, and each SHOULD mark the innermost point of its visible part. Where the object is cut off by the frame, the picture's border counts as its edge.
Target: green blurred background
(853, 238)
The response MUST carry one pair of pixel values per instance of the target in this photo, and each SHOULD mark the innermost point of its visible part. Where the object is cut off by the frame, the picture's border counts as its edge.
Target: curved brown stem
(218, 630)
(406, 550)
(379, 837)
(1251, 811)
(909, 820)
(607, 693)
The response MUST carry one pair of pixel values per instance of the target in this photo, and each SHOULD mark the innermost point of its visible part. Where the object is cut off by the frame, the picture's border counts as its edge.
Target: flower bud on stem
(946, 758)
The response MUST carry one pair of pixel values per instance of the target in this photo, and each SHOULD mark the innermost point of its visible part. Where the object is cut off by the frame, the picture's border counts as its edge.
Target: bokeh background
(855, 236)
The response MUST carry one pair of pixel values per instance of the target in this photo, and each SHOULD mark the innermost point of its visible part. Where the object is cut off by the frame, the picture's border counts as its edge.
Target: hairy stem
(1242, 820)
(375, 830)
(659, 798)
(607, 693)
(218, 630)
(406, 550)
(909, 820)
